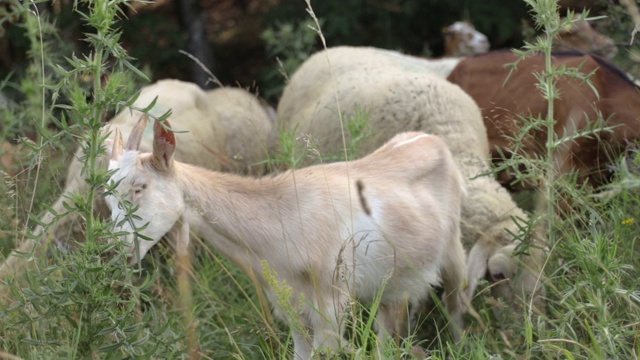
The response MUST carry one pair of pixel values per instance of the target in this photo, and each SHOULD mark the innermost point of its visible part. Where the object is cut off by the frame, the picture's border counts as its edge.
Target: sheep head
(516, 275)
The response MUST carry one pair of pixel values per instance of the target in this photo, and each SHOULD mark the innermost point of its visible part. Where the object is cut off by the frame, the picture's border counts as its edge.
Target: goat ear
(164, 144)
(135, 137)
(115, 146)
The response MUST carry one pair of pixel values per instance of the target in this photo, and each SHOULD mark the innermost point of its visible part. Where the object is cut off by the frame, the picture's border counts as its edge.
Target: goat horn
(133, 143)
(116, 150)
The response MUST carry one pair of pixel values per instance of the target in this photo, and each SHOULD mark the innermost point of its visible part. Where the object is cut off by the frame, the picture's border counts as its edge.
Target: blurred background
(256, 43)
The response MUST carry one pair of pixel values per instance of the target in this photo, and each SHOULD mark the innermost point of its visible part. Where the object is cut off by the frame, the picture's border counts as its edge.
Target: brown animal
(503, 98)
(581, 36)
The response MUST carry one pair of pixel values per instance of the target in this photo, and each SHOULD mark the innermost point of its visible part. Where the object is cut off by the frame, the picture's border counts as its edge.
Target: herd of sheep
(228, 130)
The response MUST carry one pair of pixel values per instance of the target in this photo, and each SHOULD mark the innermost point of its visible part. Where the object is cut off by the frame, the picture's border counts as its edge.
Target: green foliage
(299, 149)
(618, 24)
(290, 44)
(359, 131)
(27, 123)
(414, 26)
(592, 301)
(542, 170)
(85, 305)
(155, 39)
(82, 306)
(290, 154)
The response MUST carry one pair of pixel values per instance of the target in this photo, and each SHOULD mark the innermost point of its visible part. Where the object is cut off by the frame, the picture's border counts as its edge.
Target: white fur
(400, 98)
(310, 227)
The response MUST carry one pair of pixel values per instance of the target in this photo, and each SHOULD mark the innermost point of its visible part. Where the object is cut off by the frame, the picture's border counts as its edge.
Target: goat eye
(139, 190)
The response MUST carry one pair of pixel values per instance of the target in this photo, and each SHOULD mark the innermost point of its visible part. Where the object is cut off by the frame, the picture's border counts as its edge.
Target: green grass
(85, 305)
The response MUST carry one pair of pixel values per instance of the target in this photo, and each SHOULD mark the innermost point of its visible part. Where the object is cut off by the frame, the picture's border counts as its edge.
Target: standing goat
(309, 226)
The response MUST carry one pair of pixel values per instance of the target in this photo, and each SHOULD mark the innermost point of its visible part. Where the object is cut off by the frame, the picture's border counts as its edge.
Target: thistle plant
(83, 304)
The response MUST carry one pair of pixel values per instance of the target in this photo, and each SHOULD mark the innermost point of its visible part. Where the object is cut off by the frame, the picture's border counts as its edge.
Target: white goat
(310, 228)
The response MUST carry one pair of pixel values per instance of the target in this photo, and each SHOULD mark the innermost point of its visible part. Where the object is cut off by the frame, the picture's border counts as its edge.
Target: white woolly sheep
(399, 94)
(249, 127)
(226, 130)
(311, 227)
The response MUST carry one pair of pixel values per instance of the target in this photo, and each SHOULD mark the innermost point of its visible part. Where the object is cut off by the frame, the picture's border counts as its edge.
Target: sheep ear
(164, 144)
(476, 266)
(133, 143)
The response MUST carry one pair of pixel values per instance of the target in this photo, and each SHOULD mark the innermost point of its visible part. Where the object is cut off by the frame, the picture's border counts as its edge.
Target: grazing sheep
(212, 134)
(399, 96)
(249, 126)
(331, 232)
